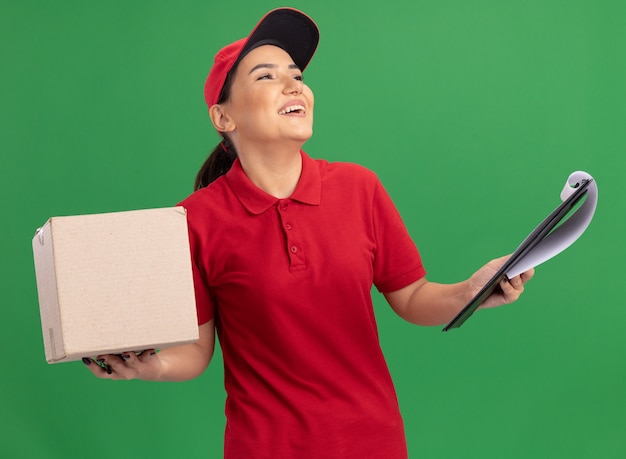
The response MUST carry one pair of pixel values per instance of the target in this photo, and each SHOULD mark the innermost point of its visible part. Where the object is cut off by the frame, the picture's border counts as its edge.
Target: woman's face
(268, 100)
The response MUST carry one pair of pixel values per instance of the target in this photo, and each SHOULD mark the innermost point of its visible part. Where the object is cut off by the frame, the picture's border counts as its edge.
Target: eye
(298, 78)
(265, 76)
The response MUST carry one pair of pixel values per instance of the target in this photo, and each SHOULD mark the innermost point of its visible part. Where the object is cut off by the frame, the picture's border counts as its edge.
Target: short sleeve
(205, 307)
(205, 304)
(397, 262)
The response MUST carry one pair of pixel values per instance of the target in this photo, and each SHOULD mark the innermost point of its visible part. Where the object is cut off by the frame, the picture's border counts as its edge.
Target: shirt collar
(308, 190)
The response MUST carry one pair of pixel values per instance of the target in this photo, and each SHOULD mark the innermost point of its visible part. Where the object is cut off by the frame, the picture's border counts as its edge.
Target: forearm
(182, 363)
(430, 303)
(177, 363)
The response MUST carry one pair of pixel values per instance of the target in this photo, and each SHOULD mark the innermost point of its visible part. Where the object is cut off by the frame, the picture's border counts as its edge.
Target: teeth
(291, 108)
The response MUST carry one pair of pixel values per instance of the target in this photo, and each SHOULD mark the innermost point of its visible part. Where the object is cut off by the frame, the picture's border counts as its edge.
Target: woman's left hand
(510, 289)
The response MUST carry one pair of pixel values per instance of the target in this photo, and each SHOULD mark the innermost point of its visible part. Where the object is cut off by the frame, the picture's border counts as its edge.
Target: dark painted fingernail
(86, 360)
(109, 369)
(153, 353)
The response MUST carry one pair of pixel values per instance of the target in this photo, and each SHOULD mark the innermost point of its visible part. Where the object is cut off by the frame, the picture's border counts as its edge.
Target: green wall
(473, 113)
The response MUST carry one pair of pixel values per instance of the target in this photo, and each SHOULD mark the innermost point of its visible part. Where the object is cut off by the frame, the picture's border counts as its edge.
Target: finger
(496, 263)
(130, 359)
(96, 368)
(517, 282)
(113, 364)
(511, 292)
(147, 355)
(528, 275)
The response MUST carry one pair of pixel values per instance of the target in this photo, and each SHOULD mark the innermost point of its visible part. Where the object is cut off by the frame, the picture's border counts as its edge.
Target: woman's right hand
(178, 363)
(128, 365)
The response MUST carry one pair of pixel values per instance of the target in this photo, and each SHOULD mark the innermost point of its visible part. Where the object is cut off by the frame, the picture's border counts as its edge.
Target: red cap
(288, 28)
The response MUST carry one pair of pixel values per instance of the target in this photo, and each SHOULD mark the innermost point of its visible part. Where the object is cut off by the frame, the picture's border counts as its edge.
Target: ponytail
(217, 164)
(224, 154)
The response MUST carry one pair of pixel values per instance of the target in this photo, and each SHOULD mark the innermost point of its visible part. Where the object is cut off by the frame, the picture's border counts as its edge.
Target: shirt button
(288, 226)
(283, 206)
(294, 249)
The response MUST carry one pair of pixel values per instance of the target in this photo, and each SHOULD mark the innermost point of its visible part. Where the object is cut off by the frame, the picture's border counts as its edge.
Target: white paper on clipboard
(569, 230)
(554, 234)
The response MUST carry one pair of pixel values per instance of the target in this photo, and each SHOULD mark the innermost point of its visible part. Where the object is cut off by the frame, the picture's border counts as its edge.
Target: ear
(220, 119)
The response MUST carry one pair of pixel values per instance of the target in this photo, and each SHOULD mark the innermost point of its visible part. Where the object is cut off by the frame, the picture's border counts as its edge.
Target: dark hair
(224, 154)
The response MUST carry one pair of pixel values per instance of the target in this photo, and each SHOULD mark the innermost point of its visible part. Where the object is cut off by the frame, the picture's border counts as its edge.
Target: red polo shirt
(289, 284)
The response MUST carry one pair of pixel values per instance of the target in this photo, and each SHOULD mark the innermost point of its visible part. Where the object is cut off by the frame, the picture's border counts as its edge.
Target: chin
(303, 135)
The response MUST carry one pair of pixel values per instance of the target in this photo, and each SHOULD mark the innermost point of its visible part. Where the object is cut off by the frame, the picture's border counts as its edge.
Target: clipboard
(547, 239)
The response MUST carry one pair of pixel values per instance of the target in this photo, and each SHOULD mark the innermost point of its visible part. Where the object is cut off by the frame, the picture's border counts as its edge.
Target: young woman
(285, 251)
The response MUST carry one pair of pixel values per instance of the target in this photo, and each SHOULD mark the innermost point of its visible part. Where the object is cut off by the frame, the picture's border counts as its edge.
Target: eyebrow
(271, 66)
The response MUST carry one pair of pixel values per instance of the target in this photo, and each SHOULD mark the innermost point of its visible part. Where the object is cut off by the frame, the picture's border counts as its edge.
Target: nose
(292, 86)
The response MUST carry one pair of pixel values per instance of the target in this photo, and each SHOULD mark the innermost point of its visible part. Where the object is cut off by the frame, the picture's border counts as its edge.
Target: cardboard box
(115, 282)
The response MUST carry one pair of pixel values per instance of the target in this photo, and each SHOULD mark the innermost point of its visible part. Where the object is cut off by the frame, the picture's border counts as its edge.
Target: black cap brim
(289, 29)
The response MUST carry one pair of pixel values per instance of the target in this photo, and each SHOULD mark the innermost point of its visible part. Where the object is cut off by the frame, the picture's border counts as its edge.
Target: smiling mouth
(292, 109)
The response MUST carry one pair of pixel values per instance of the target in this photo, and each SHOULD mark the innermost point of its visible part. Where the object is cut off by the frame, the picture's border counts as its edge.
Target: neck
(274, 170)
